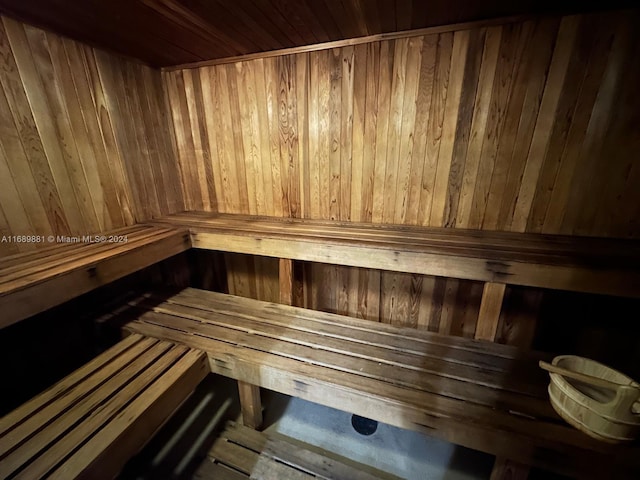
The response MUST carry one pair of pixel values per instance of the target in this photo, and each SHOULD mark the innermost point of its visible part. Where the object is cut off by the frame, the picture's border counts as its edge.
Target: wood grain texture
(478, 394)
(240, 453)
(490, 307)
(251, 405)
(89, 424)
(486, 128)
(36, 281)
(171, 32)
(83, 132)
(461, 259)
(477, 115)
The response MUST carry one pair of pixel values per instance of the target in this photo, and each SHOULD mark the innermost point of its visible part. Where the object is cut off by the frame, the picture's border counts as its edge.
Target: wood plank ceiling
(172, 32)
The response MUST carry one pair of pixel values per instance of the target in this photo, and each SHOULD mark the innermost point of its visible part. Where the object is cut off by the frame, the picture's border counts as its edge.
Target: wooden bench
(581, 264)
(507, 412)
(240, 453)
(485, 396)
(90, 423)
(33, 282)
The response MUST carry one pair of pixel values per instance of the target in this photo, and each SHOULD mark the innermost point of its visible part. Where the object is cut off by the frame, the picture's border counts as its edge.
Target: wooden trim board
(351, 42)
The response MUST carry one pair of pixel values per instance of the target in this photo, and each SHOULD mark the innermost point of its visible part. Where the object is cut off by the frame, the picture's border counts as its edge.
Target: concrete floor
(177, 450)
(407, 454)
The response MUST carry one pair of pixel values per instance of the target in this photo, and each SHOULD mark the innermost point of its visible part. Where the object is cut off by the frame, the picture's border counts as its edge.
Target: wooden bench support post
(487, 328)
(286, 281)
(290, 280)
(250, 394)
(250, 404)
(505, 469)
(490, 307)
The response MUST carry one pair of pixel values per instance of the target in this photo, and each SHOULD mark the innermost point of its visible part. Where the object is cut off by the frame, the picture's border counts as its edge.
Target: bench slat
(473, 239)
(234, 455)
(557, 447)
(103, 414)
(36, 292)
(486, 430)
(17, 416)
(433, 381)
(267, 468)
(214, 471)
(309, 461)
(410, 341)
(385, 333)
(274, 456)
(71, 255)
(73, 258)
(91, 422)
(69, 398)
(427, 381)
(247, 437)
(71, 415)
(105, 453)
(427, 374)
(59, 249)
(441, 406)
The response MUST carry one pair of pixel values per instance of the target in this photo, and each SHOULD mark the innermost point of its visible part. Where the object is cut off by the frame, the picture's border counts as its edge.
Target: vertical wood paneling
(434, 126)
(523, 126)
(83, 138)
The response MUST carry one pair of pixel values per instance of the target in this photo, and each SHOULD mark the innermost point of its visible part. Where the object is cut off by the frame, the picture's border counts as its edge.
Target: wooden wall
(85, 143)
(528, 126)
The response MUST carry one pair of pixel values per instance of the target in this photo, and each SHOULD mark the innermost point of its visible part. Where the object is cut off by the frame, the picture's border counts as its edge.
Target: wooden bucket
(596, 399)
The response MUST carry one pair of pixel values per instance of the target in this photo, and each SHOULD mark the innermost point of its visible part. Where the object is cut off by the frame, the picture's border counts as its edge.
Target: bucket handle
(623, 404)
(626, 393)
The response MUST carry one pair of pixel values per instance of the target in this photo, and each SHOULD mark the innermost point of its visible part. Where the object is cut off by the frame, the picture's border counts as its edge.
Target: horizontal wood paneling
(85, 143)
(526, 126)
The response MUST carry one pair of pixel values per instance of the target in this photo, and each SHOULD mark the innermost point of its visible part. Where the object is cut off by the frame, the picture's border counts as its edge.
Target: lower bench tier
(93, 421)
(240, 453)
(480, 395)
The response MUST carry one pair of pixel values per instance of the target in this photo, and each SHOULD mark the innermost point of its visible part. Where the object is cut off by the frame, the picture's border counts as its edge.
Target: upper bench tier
(33, 282)
(582, 264)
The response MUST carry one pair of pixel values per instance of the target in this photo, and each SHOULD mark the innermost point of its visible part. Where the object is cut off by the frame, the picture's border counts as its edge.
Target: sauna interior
(381, 215)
